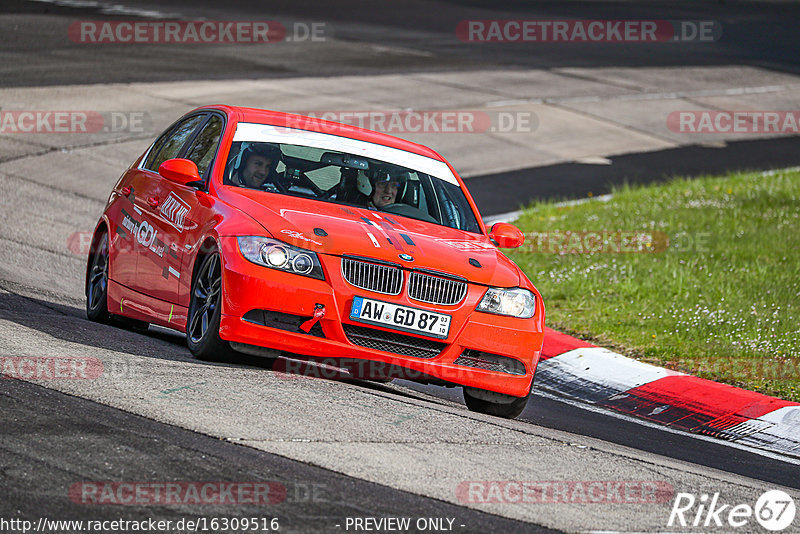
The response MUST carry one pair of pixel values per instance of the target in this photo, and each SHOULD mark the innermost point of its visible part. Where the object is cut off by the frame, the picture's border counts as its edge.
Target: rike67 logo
(774, 510)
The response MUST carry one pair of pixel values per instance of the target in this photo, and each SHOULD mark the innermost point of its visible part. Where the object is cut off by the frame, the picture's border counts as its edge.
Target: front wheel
(497, 404)
(202, 330)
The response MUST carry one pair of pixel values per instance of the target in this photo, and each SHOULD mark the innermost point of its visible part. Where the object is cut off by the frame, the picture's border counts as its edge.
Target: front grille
(393, 342)
(373, 276)
(435, 289)
(490, 362)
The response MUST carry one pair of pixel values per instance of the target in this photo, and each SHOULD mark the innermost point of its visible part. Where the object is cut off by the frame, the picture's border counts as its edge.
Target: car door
(185, 208)
(125, 217)
(158, 256)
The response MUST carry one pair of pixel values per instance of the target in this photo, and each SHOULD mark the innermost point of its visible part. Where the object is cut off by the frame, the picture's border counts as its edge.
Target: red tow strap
(319, 313)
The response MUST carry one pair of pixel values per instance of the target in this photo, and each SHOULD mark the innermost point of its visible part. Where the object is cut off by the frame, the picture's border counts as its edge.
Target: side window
(205, 146)
(456, 209)
(151, 156)
(172, 146)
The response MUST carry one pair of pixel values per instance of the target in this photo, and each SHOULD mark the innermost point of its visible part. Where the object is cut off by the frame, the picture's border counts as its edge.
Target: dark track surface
(570, 180)
(36, 49)
(51, 440)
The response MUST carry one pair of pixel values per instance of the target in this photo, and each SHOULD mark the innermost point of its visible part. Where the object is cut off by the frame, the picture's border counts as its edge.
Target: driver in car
(257, 166)
(385, 188)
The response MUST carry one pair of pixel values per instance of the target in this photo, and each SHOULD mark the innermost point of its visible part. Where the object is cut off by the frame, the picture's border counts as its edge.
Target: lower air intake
(392, 342)
(490, 362)
(283, 321)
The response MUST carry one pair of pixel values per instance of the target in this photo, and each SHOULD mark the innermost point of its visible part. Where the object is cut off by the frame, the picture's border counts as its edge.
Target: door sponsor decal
(174, 210)
(146, 235)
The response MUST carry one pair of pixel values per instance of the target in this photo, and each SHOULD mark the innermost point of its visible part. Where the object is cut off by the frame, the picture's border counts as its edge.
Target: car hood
(337, 229)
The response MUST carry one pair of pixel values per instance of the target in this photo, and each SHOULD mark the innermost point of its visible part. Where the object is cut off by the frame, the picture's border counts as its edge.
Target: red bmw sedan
(257, 231)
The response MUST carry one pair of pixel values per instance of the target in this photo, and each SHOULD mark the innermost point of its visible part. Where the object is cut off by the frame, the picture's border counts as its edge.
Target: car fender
(226, 222)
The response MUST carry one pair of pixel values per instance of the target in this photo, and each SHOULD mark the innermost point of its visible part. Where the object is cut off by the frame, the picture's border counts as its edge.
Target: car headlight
(516, 302)
(282, 256)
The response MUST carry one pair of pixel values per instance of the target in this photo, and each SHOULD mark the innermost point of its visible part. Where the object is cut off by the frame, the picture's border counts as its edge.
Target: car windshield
(355, 179)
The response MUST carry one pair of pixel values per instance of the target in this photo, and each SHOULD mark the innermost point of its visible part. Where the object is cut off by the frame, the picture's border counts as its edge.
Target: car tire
(97, 289)
(202, 325)
(97, 281)
(497, 404)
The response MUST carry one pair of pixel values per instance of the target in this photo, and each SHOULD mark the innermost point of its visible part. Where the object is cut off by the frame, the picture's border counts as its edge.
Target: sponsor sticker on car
(399, 317)
(174, 210)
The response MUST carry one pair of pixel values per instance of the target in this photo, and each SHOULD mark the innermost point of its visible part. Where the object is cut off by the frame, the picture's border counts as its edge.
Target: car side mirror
(506, 235)
(179, 170)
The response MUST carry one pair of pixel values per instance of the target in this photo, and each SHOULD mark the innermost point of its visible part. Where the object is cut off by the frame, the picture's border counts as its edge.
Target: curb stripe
(574, 368)
(695, 404)
(556, 343)
(781, 431)
(594, 374)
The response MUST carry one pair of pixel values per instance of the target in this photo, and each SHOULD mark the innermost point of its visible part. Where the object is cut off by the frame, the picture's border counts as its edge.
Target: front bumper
(248, 287)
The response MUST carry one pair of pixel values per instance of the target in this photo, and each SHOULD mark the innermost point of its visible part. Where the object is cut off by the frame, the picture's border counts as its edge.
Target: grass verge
(699, 275)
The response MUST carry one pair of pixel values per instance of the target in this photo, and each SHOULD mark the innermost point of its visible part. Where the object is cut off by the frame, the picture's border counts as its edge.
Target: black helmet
(384, 174)
(366, 184)
(267, 150)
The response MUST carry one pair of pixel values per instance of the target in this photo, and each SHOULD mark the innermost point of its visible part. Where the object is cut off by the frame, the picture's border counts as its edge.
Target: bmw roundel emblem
(406, 257)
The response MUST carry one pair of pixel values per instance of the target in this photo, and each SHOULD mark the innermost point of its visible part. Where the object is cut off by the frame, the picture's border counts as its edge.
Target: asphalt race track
(335, 450)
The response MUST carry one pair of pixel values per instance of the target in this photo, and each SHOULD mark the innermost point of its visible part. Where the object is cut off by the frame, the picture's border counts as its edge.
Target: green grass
(719, 301)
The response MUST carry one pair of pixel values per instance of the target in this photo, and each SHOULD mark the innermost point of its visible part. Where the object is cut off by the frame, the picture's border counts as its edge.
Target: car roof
(290, 120)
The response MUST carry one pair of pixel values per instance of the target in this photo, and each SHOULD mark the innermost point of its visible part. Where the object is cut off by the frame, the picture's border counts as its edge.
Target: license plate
(400, 317)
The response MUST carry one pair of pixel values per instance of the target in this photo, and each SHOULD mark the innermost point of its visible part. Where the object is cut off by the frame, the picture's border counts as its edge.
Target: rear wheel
(97, 281)
(497, 404)
(202, 330)
(97, 289)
